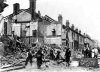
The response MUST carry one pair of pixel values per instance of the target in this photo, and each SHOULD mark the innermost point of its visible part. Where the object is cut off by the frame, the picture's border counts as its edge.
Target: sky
(84, 14)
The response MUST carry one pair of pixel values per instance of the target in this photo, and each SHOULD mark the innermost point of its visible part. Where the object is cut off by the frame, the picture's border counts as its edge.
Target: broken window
(54, 32)
(34, 33)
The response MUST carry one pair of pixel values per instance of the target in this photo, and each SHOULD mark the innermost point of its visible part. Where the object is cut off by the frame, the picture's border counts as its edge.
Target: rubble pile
(19, 57)
(13, 59)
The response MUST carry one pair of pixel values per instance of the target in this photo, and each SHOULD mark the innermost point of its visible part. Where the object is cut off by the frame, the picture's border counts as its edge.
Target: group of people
(90, 53)
(56, 55)
(41, 55)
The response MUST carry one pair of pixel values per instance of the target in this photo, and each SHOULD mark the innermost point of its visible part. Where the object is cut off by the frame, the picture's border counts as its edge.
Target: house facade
(51, 30)
(25, 22)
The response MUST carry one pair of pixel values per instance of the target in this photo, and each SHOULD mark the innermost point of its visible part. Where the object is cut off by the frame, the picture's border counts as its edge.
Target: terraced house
(74, 39)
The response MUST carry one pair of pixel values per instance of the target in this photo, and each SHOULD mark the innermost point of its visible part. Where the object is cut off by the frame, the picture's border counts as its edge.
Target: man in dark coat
(29, 57)
(87, 52)
(52, 55)
(67, 56)
(57, 56)
(39, 57)
(84, 52)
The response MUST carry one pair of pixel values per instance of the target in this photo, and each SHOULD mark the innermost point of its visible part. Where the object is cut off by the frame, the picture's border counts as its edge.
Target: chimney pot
(76, 29)
(80, 31)
(72, 26)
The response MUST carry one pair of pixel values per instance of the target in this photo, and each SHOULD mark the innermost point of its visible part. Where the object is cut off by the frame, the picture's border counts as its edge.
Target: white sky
(84, 14)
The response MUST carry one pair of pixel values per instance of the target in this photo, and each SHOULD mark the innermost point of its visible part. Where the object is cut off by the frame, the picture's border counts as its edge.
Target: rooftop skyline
(83, 14)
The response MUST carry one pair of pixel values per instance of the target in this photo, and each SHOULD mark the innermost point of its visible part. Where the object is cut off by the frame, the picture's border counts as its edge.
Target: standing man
(39, 57)
(84, 52)
(67, 56)
(52, 57)
(29, 57)
(89, 54)
(95, 53)
(57, 56)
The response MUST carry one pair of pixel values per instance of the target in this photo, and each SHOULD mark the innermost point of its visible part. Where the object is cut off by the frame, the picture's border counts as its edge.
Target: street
(53, 67)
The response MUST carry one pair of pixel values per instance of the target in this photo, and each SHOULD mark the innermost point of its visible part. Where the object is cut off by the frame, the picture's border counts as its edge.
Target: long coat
(39, 57)
(67, 55)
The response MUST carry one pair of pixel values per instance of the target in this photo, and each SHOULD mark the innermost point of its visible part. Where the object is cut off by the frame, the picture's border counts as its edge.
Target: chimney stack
(16, 7)
(32, 8)
(60, 18)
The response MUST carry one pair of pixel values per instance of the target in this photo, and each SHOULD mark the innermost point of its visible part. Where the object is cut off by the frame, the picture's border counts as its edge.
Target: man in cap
(67, 56)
